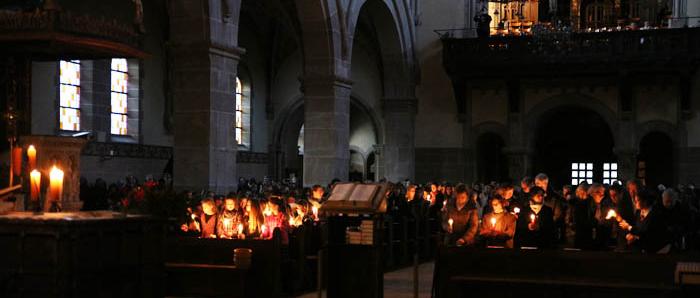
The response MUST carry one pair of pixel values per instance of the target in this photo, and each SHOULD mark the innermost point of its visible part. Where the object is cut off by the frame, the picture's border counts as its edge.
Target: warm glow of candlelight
(450, 222)
(17, 160)
(314, 210)
(493, 222)
(240, 229)
(516, 210)
(55, 184)
(263, 230)
(611, 214)
(532, 217)
(31, 157)
(34, 185)
(228, 225)
(194, 217)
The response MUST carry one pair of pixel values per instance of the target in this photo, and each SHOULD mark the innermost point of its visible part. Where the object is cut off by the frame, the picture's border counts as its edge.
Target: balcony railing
(557, 52)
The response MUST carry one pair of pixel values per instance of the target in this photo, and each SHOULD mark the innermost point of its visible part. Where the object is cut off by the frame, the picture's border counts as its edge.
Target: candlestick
(493, 222)
(532, 217)
(314, 210)
(31, 157)
(55, 184)
(16, 161)
(34, 185)
(240, 229)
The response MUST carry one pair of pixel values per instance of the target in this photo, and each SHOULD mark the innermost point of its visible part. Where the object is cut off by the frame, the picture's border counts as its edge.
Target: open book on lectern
(356, 197)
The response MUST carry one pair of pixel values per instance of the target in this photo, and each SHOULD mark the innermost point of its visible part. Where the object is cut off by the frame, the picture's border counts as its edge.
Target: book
(357, 198)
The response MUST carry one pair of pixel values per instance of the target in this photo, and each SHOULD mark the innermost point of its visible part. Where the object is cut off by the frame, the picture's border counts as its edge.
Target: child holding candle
(498, 227)
(230, 217)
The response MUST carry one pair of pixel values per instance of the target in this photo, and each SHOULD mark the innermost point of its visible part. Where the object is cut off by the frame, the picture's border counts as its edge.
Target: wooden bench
(205, 280)
(506, 273)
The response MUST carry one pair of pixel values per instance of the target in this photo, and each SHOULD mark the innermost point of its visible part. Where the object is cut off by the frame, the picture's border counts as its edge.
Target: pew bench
(205, 280)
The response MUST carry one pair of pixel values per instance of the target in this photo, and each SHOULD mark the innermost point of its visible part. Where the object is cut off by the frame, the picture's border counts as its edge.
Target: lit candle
(31, 157)
(444, 203)
(493, 222)
(314, 210)
(450, 222)
(194, 220)
(228, 227)
(263, 230)
(532, 217)
(55, 184)
(611, 214)
(34, 185)
(516, 210)
(240, 229)
(17, 160)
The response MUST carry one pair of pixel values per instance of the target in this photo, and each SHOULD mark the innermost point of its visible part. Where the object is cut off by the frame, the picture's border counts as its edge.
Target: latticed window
(119, 102)
(610, 173)
(581, 172)
(69, 96)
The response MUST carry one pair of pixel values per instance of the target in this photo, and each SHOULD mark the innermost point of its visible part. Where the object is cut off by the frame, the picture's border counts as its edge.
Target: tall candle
(263, 230)
(17, 160)
(55, 184)
(240, 229)
(34, 185)
(31, 157)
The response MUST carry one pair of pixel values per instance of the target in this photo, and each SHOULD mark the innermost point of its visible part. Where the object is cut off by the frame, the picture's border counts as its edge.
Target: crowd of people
(529, 215)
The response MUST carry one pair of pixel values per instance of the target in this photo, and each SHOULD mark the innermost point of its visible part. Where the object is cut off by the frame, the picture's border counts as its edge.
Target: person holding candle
(601, 227)
(649, 233)
(579, 221)
(208, 219)
(498, 226)
(254, 218)
(275, 219)
(553, 200)
(465, 219)
(535, 226)
(229, 219)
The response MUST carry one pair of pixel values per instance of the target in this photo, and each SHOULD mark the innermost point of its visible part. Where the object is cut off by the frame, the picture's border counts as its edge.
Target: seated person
(535, 227)
(650, 232)
(498, 227)
(460, 219)
(204, 222)
(275, 218)
(229, 219)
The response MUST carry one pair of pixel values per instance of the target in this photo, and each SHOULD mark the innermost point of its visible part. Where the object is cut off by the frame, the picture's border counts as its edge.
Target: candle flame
(493, 221)
(450, 222)
(240, 228)
(56, 173)
(532, 217)
(611, 214)
(193, 216)
(516, 210)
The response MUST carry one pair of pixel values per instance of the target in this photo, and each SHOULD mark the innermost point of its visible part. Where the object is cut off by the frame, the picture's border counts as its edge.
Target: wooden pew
(463, 272)
(212, 258)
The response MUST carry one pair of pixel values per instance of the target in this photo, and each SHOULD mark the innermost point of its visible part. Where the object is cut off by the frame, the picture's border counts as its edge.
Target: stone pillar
(379, 162)
(326, 129)
(205, 62)
(519, 162)
(626, 163)
(399, 147)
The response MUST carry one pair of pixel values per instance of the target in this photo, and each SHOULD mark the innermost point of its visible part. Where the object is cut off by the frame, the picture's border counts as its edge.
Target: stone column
(399, 148)
(379, 162)
(626, 163)
(326, 129)
(205, 62)
(519, 162)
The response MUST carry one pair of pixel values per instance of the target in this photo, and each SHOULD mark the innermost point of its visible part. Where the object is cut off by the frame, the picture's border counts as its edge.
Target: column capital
(209, 47)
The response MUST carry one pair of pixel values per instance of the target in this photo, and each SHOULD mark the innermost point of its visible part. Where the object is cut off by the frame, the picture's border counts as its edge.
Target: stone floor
(399, 283)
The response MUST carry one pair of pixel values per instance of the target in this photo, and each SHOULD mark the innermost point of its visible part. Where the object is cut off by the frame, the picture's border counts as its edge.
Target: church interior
(349, 148)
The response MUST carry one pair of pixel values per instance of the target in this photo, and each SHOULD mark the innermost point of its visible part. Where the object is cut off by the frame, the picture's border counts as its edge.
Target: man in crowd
(535, 227)
(649, 233)
(498, 226)
(556, 203)
(461, 219)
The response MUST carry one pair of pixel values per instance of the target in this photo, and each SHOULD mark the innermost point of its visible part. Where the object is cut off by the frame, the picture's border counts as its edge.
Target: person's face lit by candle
(208, 208)
(461, 200)
(317, 193)
(508, 194)
(537, 198)
(410, 193)
(433, 188)
(496, 206)
(230, 204)
(581, 192)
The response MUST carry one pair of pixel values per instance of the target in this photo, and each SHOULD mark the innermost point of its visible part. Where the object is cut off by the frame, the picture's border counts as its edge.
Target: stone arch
(576, 100)
(661, 126)
(324, 39)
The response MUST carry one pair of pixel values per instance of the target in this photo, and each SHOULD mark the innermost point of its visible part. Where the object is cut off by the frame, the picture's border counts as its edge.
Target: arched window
(242, 121)
(119, 101)
(69, 96)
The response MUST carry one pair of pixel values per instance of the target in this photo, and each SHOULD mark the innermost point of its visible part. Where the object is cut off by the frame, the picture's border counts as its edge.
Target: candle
(34, 185)
(516, 210)
(611, 214)
(314, 210)
(263, 230)
(194, 220)
(228, 227)
(17, 160)
(55, 184)
(493, 222)
(240, 229)
(31, 157)
(450, 222)
(532, 217)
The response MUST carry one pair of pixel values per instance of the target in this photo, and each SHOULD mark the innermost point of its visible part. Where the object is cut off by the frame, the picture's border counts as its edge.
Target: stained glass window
(239, 112)
(69, 95)
(120, 84)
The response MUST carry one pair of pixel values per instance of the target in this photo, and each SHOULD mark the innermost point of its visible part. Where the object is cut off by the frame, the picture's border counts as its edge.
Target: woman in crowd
(461, 219)
(229, 219)
(601, 225)
(498, 226)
